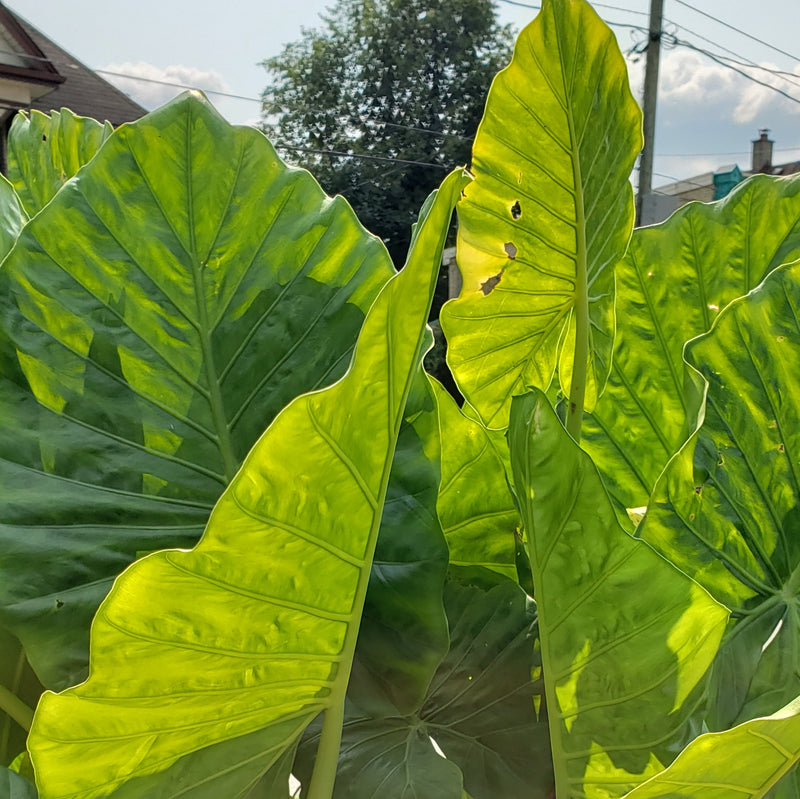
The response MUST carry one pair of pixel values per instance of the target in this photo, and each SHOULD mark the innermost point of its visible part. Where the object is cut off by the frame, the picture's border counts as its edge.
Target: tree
(399, 86)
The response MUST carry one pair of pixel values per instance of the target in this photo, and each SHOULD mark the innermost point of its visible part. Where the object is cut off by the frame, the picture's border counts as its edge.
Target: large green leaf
(482, 710)
(475, 504)
(727, 508)
(12, 217)
(46, 151)
(154, 319)
(626, 638)
(746, 761)
(548, 215)
(671, 286)
(251, 634)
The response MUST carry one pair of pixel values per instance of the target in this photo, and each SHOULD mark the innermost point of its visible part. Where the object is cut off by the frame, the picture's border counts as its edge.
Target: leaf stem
(327, 759)
(16, 708)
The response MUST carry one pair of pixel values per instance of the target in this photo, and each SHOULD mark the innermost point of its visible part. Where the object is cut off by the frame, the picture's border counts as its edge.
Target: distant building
(713, 185)
(35, 73)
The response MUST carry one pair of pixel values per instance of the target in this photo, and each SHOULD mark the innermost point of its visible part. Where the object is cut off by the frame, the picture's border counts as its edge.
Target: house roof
(75, 85)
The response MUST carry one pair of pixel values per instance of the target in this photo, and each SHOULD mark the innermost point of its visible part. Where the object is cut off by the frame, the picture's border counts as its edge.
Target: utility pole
(649, 105)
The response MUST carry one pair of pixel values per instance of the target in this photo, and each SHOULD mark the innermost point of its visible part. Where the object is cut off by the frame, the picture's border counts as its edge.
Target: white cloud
(151, 95)
(689, 81)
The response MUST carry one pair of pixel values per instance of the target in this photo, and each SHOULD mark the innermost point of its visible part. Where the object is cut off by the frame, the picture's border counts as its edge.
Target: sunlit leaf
(746, 761)
(548, 215)
(626, 638)
(154, 318)
(46, 151)
(727, 508)
(251, 634)
(671, 286)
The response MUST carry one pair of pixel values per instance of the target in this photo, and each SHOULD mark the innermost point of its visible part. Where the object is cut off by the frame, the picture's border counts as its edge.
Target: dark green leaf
(483, 710)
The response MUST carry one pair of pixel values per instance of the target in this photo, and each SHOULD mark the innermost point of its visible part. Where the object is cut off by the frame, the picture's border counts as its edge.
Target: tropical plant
(582, 583)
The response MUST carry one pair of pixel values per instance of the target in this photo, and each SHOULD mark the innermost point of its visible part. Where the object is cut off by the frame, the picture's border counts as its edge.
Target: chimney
(762, 152)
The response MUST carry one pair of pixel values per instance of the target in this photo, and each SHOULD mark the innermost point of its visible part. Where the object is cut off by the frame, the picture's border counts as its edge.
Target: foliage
(384, 576)
(379, 80)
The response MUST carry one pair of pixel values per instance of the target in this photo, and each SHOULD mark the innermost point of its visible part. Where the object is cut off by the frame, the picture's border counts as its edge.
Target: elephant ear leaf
(626, 638)
(44, 152)
(154, 318)
(726, 510)
(672, 283)
(748, 760)
(251, 634)
(547, 217)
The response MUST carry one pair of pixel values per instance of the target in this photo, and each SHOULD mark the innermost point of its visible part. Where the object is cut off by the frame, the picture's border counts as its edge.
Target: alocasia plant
(387, 600)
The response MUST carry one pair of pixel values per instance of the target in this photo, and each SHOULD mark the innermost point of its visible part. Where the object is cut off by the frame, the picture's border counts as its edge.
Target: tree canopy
(398, 86)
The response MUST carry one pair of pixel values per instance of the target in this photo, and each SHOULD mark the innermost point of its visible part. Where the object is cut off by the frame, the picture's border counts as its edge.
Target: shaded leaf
(482, 710)
(626, 638)
(44, 152)
(252, 632)
(727, 508)
(13, 786)
(746, 761)
(548, 215)
(403, 635)
(671, 285)
(154, 319)
(18, 679)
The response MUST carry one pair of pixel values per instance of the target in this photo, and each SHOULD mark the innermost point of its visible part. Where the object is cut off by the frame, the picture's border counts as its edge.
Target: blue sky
(707, 115)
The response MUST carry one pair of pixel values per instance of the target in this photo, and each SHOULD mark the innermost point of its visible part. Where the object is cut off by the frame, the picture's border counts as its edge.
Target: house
(35, 73)
(715, 185)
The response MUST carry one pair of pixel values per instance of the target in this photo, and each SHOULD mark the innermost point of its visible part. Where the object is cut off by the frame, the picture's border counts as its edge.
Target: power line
(361, 156)
(177, 85)
(598, 5)
(738, 30)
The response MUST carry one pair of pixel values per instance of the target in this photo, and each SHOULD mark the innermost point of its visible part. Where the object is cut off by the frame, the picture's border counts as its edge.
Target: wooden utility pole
(649, 105)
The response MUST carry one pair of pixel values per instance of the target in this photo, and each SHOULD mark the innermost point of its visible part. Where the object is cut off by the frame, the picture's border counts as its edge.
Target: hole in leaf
(487, 287)
(698, 490)
(781, 448)
(511, 250)
(516, 210)
(44, 137)
(59, 603)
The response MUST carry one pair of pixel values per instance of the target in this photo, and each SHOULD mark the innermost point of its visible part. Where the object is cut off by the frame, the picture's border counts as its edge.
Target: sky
(707, 115)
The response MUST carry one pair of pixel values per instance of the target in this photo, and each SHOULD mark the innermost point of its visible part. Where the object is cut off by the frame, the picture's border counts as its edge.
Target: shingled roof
(82, 91)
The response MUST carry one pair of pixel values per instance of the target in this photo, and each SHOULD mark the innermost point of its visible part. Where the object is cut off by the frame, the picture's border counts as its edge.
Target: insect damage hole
(511, 250)
(516, 210)
(487, 287)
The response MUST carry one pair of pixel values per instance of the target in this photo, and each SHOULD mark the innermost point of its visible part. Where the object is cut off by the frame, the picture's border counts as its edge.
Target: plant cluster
(246, 536)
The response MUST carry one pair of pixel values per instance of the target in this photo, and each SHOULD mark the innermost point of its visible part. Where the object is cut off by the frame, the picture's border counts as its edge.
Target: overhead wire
(738, 30)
